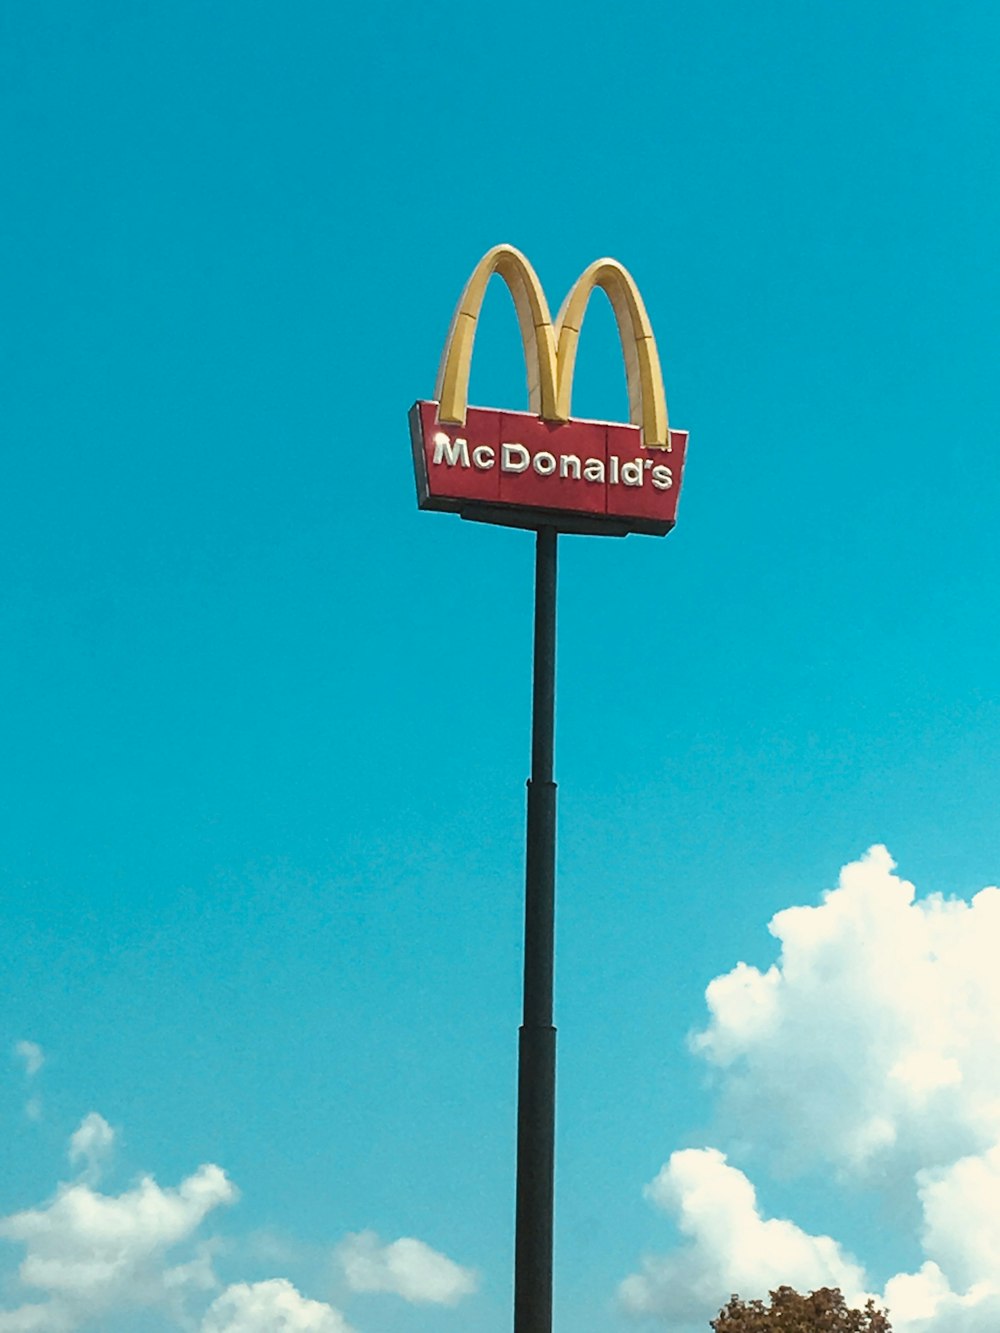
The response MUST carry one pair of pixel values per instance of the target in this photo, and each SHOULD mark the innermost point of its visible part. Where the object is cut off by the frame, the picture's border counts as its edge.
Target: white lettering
(517, 458)
(514, 458)
(450, 451)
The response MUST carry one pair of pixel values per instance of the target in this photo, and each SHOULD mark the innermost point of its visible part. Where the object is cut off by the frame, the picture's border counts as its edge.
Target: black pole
(536, 1083)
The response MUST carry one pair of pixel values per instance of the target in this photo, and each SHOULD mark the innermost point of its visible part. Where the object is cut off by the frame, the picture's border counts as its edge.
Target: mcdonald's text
(515, 467)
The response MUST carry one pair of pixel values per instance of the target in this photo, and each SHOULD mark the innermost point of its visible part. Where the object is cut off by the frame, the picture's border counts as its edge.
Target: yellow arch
(452, 391)
(646, 398)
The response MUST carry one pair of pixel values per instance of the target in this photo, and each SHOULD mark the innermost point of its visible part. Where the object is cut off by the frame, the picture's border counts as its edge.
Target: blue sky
(266, 725)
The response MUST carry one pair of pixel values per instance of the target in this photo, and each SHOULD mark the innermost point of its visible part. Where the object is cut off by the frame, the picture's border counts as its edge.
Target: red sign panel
(516, 469)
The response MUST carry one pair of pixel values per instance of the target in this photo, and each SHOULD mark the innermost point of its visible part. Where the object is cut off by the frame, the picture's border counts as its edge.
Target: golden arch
(537, 335)
(550, 352)
(647, 401)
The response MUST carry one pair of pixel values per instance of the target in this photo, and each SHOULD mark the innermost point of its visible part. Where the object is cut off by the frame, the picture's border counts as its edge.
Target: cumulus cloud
(407, 1267)
(88, 1253)
(871, 1045)
(924, 1302)
(270, 1307)
(957, 1290)
(91, 1143)
(36, 1319)
(728, 1246)
(89, 1257)
(890, 1001)
(31, 1055)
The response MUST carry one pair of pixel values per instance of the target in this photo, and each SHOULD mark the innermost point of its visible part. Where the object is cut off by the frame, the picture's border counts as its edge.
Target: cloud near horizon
(886, 1008)
(406, 1267)
(89, 1256)
(729, 1246)
(266, 1307)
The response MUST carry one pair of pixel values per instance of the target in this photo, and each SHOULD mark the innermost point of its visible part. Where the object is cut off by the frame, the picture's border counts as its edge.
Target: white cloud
(31, 1055)
(924, 1302)
(89, 1257)
(36, 1319)
(886, 1008)
(407, 1267)
(728, 1246)
(961, 1205)
(88, 1253)
(958, 1289)
(871, 1045)
(91, 1143)
(270, 1307)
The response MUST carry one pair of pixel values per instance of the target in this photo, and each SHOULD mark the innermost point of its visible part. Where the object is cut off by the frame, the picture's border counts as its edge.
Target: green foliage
(822, 1311)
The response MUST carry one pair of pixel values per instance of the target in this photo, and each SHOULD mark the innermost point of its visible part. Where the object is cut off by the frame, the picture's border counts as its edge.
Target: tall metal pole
(536, 1084)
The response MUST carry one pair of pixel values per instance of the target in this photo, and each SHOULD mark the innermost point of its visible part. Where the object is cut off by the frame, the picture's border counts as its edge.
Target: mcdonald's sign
(546, 467)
